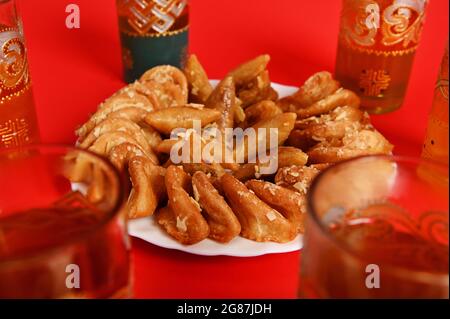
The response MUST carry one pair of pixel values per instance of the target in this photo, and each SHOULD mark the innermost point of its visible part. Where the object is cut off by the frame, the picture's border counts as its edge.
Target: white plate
(148, 230)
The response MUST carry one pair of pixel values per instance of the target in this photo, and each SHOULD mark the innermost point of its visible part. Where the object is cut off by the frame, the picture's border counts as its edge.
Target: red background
(74, 70)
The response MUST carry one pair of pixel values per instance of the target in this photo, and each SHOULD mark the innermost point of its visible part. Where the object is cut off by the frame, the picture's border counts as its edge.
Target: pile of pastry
(317, 126)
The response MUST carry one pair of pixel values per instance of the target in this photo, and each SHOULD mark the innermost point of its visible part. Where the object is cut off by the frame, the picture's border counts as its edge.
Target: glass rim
(109, 215)
(398, 271)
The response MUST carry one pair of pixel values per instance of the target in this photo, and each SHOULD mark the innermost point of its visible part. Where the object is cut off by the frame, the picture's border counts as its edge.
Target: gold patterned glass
(377, 44)
(152, 32)
(18, 124)
(377, 227)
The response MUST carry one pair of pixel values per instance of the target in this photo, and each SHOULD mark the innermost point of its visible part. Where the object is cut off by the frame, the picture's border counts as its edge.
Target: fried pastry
(120, 155)
(96, 190)
(223, 100)
(316, 88)
(330, 125)
(281, 125)
(354, 143)
(166, 120)
(260, 111)
(183, 220)
(290, 204)
(288, 156)
(199, 87)
(245, 172)
(132, 110)
(257, 90)
(248, 71)
(135, 92)
(223, 224)
(318, 125)
(341, 97)
(105, 142)
(213, 169)
(239, 114)
(148, 187)
(166, 145)
(297, 139)
(167, 94)
(284, 123)
(152, 135)
(118, 125)
(102, 146)
(298, 178)
(258, 220)
(168, 80)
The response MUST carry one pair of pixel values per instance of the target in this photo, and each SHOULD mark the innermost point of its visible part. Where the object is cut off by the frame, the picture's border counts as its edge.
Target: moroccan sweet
(205, 195)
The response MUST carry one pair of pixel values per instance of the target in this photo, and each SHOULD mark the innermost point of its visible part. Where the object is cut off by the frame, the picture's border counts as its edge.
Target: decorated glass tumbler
(63, 228)
(18, 124)
(377, 44)
(152, 32)
(377, 227)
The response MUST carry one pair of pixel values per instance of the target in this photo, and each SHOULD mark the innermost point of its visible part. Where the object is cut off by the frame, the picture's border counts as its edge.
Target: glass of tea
(377, 227)
(18, 123)
(63, 230)
(377, 44)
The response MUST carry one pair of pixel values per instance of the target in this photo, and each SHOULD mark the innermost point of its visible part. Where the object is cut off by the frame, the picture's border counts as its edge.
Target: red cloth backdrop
(74, 70)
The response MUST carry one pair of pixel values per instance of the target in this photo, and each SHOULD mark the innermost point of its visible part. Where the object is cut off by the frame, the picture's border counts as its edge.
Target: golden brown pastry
(183, 220)
(260, 111)
(133, 109)
(318, 125)
(330, 125)
(223, 100)
(223, 224)
(354, 143)
(166, 120)
(258, 220)
(341, 97)
(148, 187)
(316, 88)
(199, 87)
(119, 125)
(169, 85)
(249, 70)
(257, 90)
(298, 178)
(290, 204)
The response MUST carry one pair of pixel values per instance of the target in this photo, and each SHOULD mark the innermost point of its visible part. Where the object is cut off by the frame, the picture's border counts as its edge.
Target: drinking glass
(152, 32)
(18, 123)
(436, 142)
(63, 230)
(377, 44)
(377, 227)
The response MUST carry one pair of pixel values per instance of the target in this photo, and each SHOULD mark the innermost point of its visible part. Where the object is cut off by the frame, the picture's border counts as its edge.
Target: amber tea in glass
(377, 227)
(377, 43)
(63, 230)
